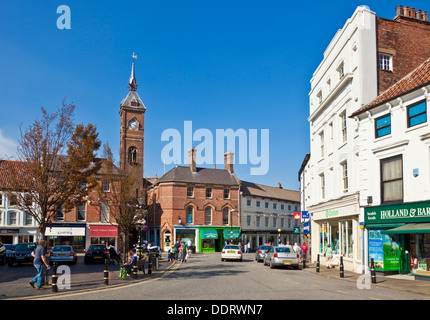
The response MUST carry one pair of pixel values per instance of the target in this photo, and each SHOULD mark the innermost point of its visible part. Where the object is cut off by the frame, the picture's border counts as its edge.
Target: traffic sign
(305, 215)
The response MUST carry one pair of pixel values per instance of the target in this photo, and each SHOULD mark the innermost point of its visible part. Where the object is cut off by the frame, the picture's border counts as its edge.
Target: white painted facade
(410, 143)
(345, 80)
(261, 218)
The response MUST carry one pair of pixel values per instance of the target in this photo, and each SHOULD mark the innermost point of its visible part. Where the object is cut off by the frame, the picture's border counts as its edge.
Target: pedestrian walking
(328, 255)
(249, 247)
(297, 249)
(39, 263)
(305, 252)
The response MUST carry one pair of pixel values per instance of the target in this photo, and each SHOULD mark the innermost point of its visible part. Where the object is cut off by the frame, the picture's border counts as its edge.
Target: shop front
(186, 234)
(67, 234)
(337, 225)
(103, 234)
(399, 238)
(214, 239)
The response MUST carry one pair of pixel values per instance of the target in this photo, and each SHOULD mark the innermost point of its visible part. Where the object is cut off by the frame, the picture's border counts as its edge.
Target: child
(169, 256)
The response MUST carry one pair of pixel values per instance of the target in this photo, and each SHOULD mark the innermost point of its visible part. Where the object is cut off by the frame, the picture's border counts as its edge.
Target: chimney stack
(228, 161)
(192, 159)
(411, 13)
(279, 185)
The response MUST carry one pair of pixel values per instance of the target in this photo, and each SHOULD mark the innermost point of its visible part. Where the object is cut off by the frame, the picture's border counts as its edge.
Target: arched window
(132, 155)
(225, 218)
(208, 215)
(190, 211)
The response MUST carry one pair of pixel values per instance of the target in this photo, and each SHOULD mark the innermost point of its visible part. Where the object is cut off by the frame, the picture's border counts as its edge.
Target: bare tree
(56, 166)
(120, 200)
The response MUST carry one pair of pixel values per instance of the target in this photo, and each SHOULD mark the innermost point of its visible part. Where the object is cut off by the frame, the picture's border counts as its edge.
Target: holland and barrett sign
(403, 212)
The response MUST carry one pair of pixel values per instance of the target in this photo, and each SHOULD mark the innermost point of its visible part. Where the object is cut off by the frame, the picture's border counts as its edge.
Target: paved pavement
(19, 289)
(396, 282)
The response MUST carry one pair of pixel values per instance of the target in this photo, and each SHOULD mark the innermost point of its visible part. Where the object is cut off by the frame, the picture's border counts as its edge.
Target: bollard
(54, 278)
(341, 267)
(134, 272)
(106, 272)
(304, 260)
(372, 271)
(318, 263)
(156, 263)
(150, 265)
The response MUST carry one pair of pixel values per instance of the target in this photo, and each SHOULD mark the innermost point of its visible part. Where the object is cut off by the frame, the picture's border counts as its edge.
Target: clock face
(133, 124)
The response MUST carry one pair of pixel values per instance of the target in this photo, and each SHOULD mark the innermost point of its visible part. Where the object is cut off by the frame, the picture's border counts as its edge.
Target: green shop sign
(208, 234)
(231, 234)
(403, 212)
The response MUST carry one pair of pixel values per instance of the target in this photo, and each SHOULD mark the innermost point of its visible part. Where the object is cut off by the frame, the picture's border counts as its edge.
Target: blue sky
(220, 64)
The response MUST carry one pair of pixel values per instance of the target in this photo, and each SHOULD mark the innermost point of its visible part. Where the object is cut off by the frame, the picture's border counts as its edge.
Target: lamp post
(231, 224)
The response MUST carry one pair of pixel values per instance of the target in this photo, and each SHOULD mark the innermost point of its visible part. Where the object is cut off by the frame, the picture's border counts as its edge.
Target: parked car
(261, 252)
(96, 253)
(231, 252)
(62, 254)
(21, 254)
(2, 254)
(282, 256)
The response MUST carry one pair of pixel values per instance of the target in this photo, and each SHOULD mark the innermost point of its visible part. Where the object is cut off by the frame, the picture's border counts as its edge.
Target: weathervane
(134, 56)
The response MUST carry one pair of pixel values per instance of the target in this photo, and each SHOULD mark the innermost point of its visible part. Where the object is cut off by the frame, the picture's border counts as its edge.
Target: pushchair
(114, 257)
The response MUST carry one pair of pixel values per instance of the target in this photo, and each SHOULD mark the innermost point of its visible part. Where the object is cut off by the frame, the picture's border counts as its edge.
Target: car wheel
(296, 267)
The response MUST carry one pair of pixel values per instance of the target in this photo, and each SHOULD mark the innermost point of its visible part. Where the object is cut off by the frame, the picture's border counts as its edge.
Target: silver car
(282, 256)
(261, 252)
(64, 254)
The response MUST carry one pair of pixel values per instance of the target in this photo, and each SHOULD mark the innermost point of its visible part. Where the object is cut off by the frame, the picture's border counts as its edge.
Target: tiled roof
(259, 190)
(202, 175)
(415, 79)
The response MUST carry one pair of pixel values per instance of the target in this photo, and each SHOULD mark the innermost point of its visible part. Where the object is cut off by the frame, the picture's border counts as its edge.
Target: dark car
(21, 254)
(96, 253)
(2, 254)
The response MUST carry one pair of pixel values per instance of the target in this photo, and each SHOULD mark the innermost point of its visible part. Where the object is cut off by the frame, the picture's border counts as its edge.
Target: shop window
(383, 126)
(417, 114)
(392, 179)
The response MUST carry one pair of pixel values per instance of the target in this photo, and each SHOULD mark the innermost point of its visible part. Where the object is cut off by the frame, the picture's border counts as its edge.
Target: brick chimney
(424, 16)
(411, 13)
(228, 161)
(192, 159)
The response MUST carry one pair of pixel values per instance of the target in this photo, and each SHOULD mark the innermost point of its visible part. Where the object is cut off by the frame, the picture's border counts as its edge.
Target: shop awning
(208, 234)
(103, 231)
(409, 228)
(229, 235)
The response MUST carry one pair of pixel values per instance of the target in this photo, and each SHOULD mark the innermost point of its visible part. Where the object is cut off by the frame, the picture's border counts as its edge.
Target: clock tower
(132, 114)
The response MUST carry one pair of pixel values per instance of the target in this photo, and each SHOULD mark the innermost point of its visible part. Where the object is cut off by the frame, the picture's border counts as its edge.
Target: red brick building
(403, 45)
(197, 204)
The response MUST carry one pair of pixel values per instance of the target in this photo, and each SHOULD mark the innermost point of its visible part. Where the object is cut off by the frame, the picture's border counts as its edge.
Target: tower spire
(132, 83)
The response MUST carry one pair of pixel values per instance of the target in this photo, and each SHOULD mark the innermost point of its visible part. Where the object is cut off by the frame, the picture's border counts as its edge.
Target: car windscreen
(25, 247)
(283, 249)
(97, 248)
(232, 247)
(62, 249)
